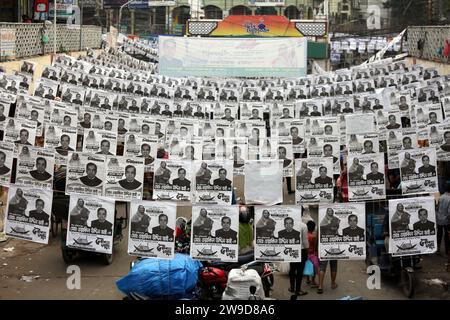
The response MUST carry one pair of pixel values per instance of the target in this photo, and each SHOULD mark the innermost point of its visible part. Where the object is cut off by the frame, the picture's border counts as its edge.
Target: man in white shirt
(296, 268)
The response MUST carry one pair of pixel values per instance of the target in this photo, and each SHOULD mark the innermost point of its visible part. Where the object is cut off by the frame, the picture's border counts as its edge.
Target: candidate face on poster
(213, 182)
(72, 94)
(4, 112)
(271, 171)
(32, 112)
(152, 229)
(6, 161)
(173, 180)
(427, 115)
(91, 223)
(100, 142)
(412, 226)
(342, 231)
(28, 216)
(45, 88)
(418, 171)
(20, 131)
(142, 146)
(124, 178)
(278, 233)
(366, 179)
(286, 155)
(328, 147)
(35, 167)
(85, 173)
(65, 116)
(62, 139)
(314, 180)
(367, 143)
(439, 137)
(215, 233)
(398, 140)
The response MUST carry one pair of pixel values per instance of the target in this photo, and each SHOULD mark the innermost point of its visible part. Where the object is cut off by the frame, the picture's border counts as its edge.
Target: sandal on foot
(301, 293)
(319, 290)
(334, 286)
(291, 290)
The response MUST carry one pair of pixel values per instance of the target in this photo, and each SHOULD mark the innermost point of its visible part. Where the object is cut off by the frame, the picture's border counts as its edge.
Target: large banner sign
(226, 57)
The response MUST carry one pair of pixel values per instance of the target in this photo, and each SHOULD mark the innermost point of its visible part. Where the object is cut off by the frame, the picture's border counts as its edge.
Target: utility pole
(81, 24)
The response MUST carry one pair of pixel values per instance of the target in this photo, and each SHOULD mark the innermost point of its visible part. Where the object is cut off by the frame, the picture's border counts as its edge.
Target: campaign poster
(398, 140)
(64, 115)
(269, 171)
(6, 162)
(427, 115)
(287, 156)
(215, 233)
(342, 234)
(35, 167)
(325, 126)
(363, 143)
(91, 223)
(100, 142)
(32, 112)
(412, 226)
(313, 180)
(4, 112)
(45, 88)
(29, 212)
(142, 146)
(173, 180)
(328, 147)
(439, 137)
(124, 178)
(62, 139)
(72, 94)
(213, 182)
(235, 149)
(85, 173)
(418, 171)
(152, 229)
(278, 233)
(366, 179)
(20, 131)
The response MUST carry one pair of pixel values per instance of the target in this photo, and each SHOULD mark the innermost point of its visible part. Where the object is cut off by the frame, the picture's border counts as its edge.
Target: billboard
(232, 57)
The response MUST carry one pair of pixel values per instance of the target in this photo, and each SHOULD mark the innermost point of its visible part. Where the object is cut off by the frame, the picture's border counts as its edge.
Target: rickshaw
(401, 268)
(60, 212)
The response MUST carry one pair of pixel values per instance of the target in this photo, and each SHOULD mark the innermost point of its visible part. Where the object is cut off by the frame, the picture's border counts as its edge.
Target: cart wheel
(407, 283)
(107, 258)
(68, 255)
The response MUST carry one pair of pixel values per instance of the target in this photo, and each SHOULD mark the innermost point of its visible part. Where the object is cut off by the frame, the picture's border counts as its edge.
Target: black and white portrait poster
(366, 180)
(412, 226)
(418, 170)
(342, 233)
(95, 119)
(72, 94)
(62, 139)
(85, 173)
(446, 106)
(439, 137)
(235, 149)
(287, 156)
(124, 178)
(215, 233)
(91, 223)
(313, 180)
(267, 149)
(278, 233)
(269, 171)
(173, 180)
(20, 131)
(398, 140)
(297, 134)
(280, 128)
(33, 112)
(213, 182)
(324, 126)
(64, 115)
(100, 142)
(251, 111)
(46, 88)
(6, 161)
(152, 229)
(226, 112)
(142, 146)
(427, 115)
(363, 143)
(29, 211)
(328, 147)
(4, 112)
(35, 167)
